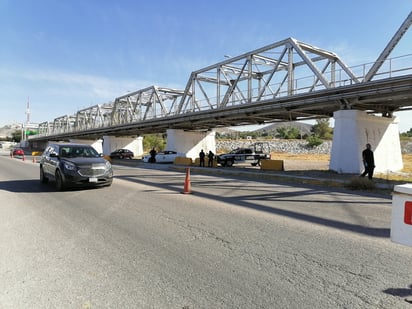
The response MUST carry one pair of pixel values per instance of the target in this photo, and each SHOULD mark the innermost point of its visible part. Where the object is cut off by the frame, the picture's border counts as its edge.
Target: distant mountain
(8, 130)
(304, 128)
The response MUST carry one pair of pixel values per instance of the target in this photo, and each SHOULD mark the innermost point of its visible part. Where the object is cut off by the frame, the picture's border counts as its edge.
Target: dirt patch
(300, 157)
(310, 163)
(301, 165)
(294, 162)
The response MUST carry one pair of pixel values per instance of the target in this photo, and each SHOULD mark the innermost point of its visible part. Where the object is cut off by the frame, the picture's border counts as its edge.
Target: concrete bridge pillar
(353, 130)
(96, 144)
(191, 142)
(111, 143)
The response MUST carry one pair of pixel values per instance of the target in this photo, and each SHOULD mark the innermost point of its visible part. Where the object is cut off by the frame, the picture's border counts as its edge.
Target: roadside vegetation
(318, 133)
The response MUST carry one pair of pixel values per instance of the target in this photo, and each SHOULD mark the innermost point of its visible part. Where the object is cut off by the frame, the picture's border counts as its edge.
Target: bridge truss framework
(284, 81)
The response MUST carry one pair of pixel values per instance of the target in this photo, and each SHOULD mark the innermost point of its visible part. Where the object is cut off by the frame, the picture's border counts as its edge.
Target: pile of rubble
(278, 145)
(292, 146)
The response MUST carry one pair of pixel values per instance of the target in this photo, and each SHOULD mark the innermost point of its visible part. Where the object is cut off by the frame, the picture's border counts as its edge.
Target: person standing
(211, 156)
(368, 161)
(202, 158)
(153, 155)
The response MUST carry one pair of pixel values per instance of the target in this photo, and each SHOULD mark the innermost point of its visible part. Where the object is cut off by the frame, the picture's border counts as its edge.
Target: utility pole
(28, 111)
(27, 124)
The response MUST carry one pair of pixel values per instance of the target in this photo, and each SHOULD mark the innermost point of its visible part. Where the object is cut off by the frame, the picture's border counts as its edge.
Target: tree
(16, 136)
(407, 134)
(288, 132)
(154, 140)
(322, 130)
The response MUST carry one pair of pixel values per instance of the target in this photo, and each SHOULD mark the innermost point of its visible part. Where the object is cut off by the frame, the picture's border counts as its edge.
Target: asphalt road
(233, 243)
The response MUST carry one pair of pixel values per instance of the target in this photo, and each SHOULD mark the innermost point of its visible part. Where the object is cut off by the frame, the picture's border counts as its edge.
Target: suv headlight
(69, 166)
(108, 165)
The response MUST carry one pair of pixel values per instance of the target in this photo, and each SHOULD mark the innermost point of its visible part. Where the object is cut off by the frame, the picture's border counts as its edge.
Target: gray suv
(74, 165)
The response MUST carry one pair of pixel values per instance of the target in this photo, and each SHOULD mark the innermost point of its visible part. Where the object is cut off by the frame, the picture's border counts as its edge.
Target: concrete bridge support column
(111, 143)
(191, 142)
(95, 143)
(353, 130)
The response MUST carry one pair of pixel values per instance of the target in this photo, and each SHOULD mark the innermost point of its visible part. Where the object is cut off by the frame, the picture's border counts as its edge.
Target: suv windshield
(78, 151)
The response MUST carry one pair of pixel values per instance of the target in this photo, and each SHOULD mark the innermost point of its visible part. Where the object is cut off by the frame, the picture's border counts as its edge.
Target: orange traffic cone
(186, 189)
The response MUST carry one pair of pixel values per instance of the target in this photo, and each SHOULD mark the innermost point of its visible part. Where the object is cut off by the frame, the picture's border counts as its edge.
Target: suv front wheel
(59, 181)
(43, 178)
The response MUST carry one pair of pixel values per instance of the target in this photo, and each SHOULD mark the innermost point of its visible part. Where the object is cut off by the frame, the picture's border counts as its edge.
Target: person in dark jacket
(368, 161)
(211, 156)
(153, 154)
(202, 158)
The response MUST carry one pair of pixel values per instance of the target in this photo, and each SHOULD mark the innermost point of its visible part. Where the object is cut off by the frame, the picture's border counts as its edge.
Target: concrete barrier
(273, 165)
(401, 225)
(197, 162)
(182, 161)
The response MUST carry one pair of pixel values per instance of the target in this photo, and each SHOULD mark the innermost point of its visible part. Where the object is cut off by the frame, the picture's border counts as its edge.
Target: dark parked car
(74, 165)
(253, 154)
(18, 152)
(122, 154)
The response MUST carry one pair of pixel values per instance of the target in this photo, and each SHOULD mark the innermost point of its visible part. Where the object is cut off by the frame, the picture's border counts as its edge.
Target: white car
(167, 156)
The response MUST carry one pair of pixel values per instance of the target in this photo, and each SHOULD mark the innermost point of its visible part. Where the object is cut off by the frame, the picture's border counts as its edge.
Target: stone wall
(291, 146)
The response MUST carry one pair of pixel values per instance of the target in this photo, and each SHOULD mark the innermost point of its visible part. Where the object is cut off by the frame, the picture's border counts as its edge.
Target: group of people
(367, 157)
(202, 156)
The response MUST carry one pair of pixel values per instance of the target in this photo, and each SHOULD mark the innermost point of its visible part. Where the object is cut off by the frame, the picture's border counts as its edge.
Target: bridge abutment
(111, 143)
(191, 142)
(353, 130)
(95, 143)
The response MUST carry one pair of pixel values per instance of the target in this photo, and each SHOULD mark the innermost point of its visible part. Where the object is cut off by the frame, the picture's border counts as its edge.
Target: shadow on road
(34, 186)
(302, 195)
(25, 186)
(401, 292)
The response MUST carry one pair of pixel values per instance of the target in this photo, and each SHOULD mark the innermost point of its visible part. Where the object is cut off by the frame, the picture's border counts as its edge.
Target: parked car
(18, 152)
(74, 165)
(166, 156)
(122, 154)
(253, 154)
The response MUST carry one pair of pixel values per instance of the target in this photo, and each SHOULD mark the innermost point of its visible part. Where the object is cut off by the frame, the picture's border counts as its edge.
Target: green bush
(158, 141)
(288, 132)
(322, 129)
(314, 141)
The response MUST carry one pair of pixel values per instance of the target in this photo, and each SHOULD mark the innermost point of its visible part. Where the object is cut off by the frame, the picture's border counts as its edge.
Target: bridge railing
(393, 67)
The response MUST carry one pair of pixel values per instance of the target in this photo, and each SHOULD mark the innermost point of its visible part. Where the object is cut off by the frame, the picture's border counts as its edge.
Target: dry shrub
(304, 157)
(407, 162)
(360, 183)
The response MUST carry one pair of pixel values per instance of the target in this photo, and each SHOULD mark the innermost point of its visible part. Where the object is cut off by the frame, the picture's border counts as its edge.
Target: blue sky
(68, 55)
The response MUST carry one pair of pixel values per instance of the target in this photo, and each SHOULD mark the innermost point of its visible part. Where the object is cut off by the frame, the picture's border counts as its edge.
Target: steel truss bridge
(285, 81)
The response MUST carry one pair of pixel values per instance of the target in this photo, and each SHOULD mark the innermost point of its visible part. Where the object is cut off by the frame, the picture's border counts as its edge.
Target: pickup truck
(253, 154)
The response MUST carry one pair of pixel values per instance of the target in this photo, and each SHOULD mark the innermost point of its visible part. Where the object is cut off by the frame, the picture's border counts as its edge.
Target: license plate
(92, 179)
